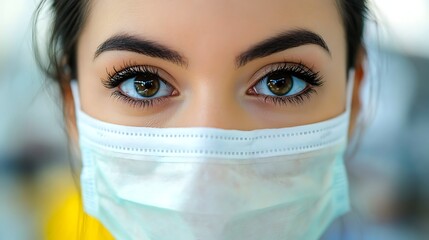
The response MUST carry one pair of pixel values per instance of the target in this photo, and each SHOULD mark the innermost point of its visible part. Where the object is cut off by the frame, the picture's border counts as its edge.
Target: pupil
(146, 85)
(279, 84)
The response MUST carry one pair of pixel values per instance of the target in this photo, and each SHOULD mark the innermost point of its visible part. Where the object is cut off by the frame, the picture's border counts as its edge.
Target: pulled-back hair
(68, 18)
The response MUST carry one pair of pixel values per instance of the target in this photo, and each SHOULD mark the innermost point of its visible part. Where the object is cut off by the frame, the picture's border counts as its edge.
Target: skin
(212, 90)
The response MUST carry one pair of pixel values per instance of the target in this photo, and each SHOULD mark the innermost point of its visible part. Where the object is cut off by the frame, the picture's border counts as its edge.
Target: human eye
(139, 85)
(285, 83)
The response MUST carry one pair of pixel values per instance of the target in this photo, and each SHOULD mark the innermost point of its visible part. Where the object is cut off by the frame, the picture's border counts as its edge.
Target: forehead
(229, 25)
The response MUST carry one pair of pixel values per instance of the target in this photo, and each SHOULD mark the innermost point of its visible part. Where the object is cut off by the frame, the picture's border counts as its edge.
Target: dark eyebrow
(281, 42)
(124, 42)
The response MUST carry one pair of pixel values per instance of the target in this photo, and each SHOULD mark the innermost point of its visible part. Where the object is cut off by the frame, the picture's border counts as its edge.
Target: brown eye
(279, 83)
(147, 84)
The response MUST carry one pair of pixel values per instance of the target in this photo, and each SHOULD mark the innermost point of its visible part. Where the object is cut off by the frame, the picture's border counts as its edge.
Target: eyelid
(168, 78)
(163, 74)
(269, 68)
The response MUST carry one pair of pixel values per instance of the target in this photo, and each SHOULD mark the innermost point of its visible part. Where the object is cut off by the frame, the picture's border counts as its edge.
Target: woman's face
(227, 64)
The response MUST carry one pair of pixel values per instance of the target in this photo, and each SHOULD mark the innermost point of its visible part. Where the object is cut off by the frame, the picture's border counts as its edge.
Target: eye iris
(146, 85)
(279, 84)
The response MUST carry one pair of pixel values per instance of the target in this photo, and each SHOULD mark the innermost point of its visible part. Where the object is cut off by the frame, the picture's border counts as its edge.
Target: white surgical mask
(214, 184)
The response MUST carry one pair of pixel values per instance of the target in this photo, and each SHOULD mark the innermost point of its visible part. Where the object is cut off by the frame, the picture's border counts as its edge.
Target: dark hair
(353, 13)
(69, 17)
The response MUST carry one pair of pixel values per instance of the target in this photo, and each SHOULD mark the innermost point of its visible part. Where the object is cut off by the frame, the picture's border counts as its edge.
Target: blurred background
(389, 171)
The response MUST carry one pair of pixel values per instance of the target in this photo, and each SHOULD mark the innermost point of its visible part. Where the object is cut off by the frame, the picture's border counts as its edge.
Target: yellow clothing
(70, 222)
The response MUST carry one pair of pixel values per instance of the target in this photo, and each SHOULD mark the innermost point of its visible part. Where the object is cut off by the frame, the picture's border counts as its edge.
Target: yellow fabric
(69, 222)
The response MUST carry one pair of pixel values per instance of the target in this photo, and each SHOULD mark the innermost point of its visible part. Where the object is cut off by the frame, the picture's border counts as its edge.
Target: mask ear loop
(349, 90)
(352, 139)
(75, 93)
(355, 218)
(76, 102)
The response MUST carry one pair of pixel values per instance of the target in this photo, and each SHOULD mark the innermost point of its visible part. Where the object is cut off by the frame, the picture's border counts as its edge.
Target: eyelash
(130, 70)
(115, 78)
(313, 79)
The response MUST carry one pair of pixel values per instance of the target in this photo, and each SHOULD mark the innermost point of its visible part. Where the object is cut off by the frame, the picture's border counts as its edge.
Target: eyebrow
(281, 42)
(124, 42)
(278, 43)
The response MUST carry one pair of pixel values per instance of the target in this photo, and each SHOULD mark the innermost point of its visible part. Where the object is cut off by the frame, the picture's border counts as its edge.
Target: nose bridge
(213, 98)
(212, 103)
